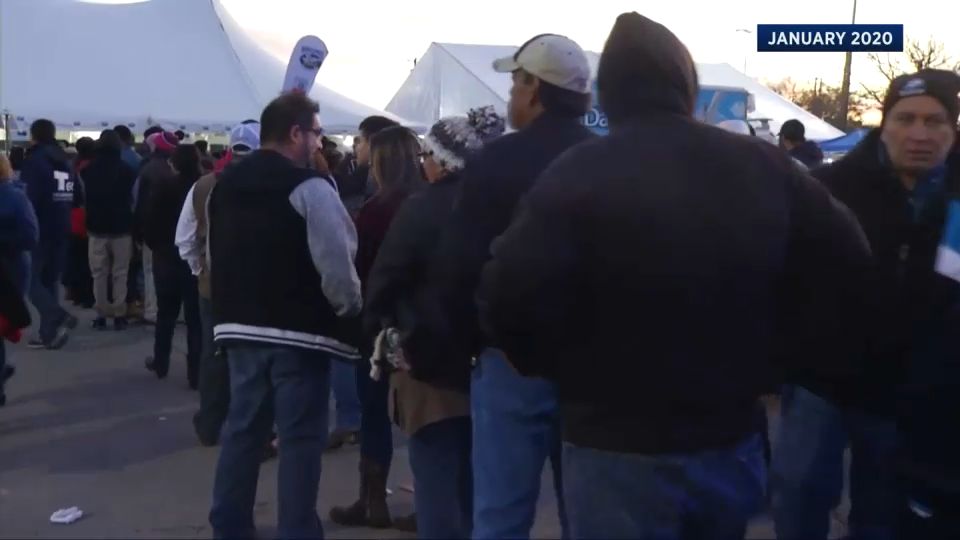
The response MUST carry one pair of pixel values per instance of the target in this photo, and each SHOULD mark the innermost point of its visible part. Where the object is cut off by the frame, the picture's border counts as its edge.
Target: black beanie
(941, 85)
(644, 67)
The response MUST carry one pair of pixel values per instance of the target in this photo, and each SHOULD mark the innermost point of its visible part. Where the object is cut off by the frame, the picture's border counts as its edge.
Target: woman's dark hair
(372, 125)
(109, 142)
(202, 146)
(395, 160)
(186, 160)
(284, 112)
(560, 100)
(43, 131)
(86, 148)
(126, 136)
(17, 155)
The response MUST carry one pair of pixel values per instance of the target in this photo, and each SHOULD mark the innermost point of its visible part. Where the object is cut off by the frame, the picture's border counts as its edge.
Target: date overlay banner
(829, 37)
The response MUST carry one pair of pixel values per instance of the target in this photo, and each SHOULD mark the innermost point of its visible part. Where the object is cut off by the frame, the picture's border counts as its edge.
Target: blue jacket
(18, 231)
(46, 174)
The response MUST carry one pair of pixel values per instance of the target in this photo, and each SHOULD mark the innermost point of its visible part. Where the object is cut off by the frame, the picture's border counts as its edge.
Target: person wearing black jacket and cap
(654, 289)
(175, 283)
(898, 181)
(793, 139)
(515, 419)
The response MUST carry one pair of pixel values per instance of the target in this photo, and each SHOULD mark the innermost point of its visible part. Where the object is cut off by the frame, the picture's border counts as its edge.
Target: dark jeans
(44, 291)
(443, 477)
(214, 381)
(299, 382)
(807, 472)
(376, 432)
(176, 286)
(77, 277)
(516, 430)
(710, 495)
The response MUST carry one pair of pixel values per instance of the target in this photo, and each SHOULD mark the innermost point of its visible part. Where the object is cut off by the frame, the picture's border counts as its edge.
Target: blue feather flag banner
(948, 256)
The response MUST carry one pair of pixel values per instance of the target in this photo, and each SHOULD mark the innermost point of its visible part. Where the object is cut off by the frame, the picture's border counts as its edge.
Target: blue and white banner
(829, 37)
(305, 61)
(948, 256)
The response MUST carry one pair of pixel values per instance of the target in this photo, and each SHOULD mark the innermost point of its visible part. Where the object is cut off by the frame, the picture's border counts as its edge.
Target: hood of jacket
(645, 68)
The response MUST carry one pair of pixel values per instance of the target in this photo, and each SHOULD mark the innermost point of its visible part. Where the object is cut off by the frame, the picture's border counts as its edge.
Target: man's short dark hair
(793, 131)
(126, 136)
(284, 112)
(180, 134)
(151, 130)
(43, 131)
(372, 125)
(109, 141)
(560, 100)
(202, 146)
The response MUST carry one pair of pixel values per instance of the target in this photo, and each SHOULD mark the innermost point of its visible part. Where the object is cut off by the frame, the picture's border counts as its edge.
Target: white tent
(180, 64)
(451, 78)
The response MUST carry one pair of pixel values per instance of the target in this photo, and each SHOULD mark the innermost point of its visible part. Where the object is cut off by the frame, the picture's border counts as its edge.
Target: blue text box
(829, 37)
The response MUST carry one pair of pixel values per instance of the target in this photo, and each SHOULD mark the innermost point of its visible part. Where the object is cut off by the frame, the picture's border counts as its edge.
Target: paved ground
(88, 426)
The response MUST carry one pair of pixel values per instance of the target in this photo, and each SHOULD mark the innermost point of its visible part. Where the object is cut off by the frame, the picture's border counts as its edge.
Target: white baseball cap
(555, 59)
(246, 134)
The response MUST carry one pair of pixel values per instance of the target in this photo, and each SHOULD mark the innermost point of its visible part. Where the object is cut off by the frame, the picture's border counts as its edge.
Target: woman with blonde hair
(395, 166)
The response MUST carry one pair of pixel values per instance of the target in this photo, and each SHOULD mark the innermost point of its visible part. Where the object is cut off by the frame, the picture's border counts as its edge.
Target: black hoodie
(108, 188)
(650, 272)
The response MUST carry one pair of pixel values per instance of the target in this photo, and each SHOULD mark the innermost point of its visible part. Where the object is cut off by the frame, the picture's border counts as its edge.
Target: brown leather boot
(378, 514)
(354, 515)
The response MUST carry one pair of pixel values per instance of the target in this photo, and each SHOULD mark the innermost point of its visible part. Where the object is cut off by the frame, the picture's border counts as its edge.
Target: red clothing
(9, 333)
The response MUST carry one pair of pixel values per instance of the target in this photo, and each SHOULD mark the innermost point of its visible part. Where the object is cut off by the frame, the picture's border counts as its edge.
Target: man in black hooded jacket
(793, 139)
(655, 288)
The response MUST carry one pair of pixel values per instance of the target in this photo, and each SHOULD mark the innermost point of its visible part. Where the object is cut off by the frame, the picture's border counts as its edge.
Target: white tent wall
(470, 67)
(182, 64)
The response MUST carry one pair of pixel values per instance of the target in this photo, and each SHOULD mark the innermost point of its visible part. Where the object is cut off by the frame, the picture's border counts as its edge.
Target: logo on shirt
(64, 189)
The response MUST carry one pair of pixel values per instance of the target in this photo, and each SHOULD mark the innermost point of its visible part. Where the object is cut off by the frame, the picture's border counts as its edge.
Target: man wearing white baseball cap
(192, 243)
(515, 419)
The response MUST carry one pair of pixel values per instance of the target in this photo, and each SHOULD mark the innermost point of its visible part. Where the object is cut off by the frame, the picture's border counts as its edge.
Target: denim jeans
(443, 479)
(807, 471)
(344, 382)
(44, 291)
(516, 429)
(176, 286)
(299, 381)
(709, 495)
(214, 380)
(376, 432)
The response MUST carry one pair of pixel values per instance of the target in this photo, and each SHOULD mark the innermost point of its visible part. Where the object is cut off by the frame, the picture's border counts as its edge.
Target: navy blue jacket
(46, 174)
(491, 187)
(18, 232)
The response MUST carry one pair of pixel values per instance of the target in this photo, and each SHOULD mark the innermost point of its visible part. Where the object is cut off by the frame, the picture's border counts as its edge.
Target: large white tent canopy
(452, 78)
(180, 64)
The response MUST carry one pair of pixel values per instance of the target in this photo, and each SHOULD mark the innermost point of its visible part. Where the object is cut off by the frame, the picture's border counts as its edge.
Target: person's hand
(320, 162)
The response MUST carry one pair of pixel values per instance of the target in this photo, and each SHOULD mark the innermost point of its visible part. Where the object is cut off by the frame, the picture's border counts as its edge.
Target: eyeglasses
(425, 154)
(316, 131)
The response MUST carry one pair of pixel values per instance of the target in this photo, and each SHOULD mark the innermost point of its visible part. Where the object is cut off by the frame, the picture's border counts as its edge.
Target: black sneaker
(7, 372)
(70, 322)
(59, 340)
(100, 323)
(120, 324)
(36, 343)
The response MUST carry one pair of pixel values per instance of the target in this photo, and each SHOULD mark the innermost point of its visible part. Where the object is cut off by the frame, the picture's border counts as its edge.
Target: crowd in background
(613, 306)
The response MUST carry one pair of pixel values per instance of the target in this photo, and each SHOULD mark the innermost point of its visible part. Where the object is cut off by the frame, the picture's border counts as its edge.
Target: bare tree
(822, 100)
(917, 55)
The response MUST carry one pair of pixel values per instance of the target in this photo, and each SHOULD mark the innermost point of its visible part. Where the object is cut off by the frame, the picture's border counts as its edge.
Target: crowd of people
(614, 306)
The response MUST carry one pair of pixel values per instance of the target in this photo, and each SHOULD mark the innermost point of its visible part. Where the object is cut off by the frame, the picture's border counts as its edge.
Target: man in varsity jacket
(283, 283)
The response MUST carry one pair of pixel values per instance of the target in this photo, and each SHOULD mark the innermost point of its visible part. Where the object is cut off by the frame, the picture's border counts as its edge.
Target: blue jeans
(376, 432)
(299, 382)
(443, 477)
(709, 495)
(44, 289)
(807, 471)
(516, 429)
(344, 377)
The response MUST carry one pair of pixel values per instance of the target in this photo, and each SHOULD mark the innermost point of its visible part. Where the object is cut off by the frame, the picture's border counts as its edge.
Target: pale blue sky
(373, 42)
